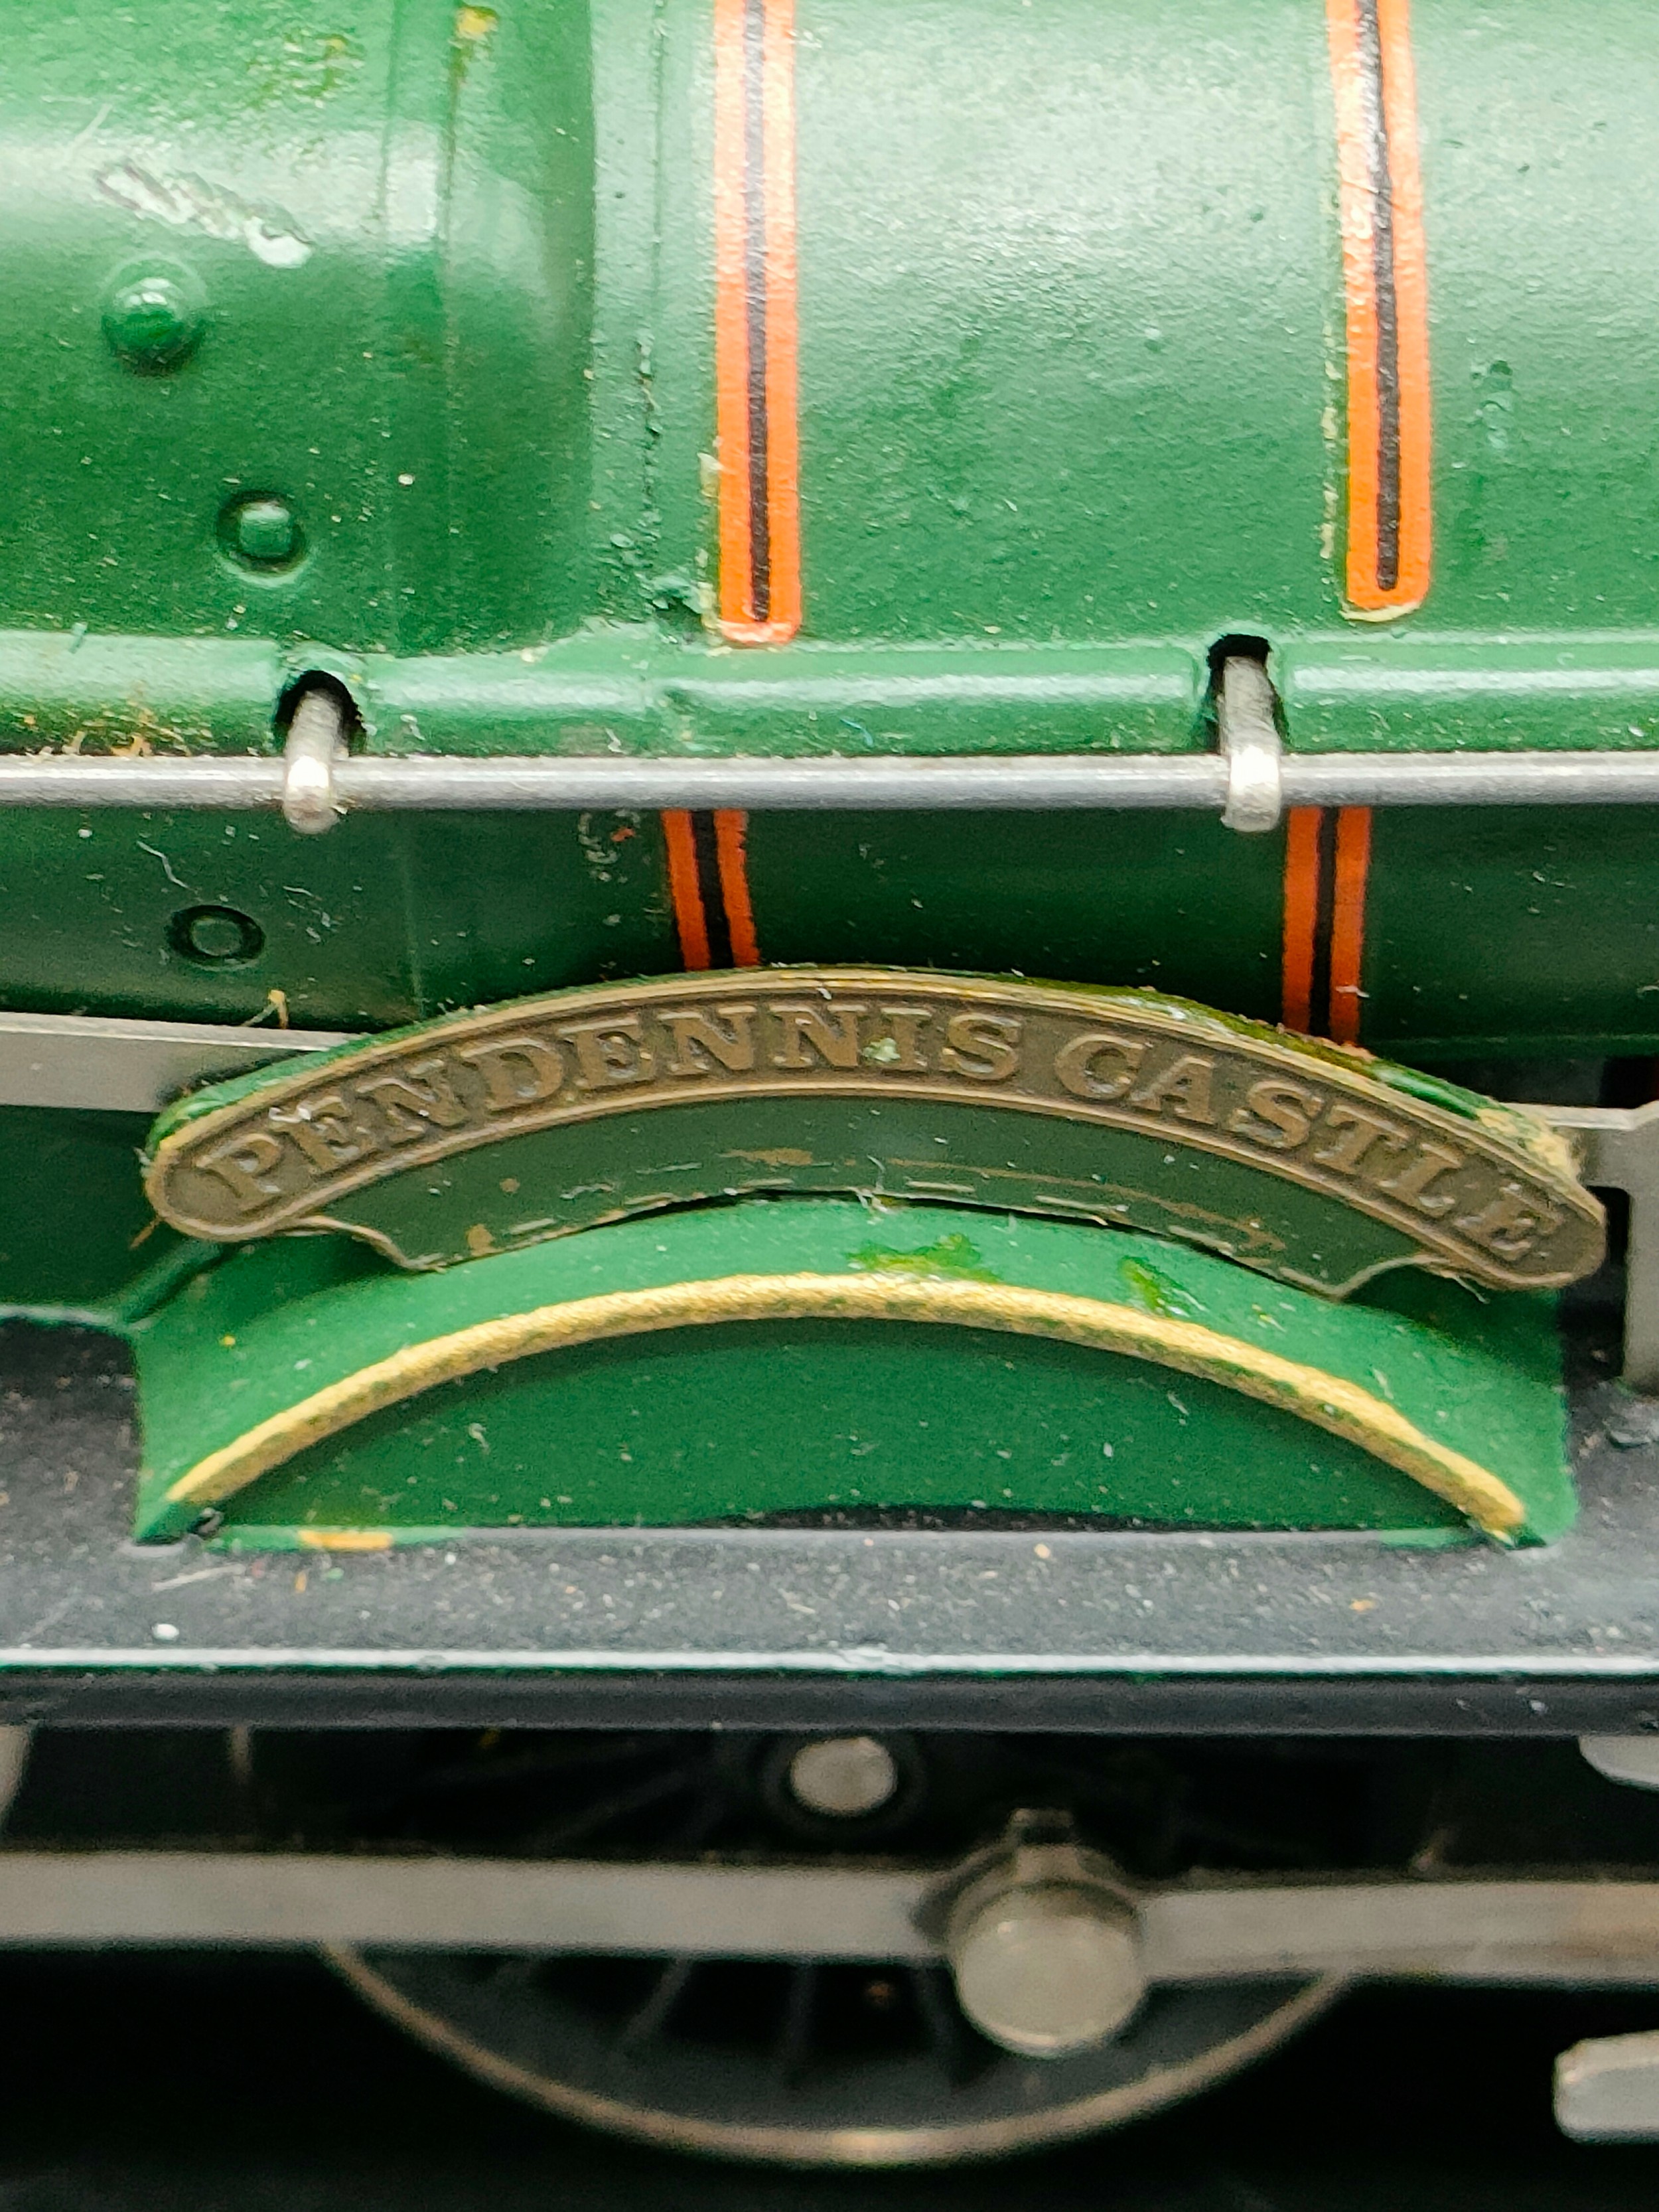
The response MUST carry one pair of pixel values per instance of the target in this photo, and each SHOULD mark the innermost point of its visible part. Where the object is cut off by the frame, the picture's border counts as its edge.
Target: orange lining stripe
(756, 432)
(686, 892)
(1301, 826)
(731, 844)
(730, 311)
(783, 451)
(1385, 273)
(1352, 868)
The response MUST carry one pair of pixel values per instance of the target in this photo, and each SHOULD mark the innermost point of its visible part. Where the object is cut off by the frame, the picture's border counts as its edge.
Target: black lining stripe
(1319, 993)
(1387, 309)
(754, 215)
(711, 891)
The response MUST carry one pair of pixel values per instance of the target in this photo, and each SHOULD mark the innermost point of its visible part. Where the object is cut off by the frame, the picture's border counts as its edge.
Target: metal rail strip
(1199, 782)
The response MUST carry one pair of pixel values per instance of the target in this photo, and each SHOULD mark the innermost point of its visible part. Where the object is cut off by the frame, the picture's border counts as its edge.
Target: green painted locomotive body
(752, 391)
(828, 914)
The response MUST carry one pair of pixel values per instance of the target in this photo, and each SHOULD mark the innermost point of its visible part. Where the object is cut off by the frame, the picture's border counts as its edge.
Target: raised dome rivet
(154, 319)
(262, 531)
(843, 1776)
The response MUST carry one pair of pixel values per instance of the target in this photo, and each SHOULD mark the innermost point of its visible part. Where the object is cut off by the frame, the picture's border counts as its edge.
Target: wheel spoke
(949, 2037)
(554, 1763)
(517, 1969)
(599, 1815)
(648, 2019)
(701, 1822)
(794, 2046)
(1245, 1846)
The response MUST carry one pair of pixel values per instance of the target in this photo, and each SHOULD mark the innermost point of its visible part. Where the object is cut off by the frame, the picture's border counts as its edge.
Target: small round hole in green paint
(216, 936)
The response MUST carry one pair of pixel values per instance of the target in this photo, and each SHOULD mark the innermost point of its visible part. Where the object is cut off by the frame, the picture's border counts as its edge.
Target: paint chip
(189, 203)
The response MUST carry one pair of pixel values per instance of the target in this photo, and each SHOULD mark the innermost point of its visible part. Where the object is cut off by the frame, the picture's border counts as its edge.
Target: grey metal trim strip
(1619, 1150)
(92, 1062)
(1191, 782)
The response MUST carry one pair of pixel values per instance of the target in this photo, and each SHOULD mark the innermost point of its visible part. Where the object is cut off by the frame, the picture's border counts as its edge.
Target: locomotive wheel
(804, 2064)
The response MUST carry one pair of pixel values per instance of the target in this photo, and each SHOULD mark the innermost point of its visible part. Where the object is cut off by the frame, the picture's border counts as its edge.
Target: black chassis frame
(1124, 1632)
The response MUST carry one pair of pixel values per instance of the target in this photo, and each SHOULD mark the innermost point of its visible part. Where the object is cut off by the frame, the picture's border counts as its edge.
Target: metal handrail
(1032, 782)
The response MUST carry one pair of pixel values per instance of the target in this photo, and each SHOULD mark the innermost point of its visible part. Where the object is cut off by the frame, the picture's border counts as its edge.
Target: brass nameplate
(1491, 1197)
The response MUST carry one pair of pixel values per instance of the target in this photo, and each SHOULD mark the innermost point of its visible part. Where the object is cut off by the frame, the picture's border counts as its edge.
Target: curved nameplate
(507, 1126)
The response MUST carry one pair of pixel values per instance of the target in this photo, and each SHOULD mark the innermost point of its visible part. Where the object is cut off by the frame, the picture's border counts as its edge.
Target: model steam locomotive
(846, 792)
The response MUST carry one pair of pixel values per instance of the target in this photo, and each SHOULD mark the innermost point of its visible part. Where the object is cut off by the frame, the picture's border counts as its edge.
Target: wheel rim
(511, 2023)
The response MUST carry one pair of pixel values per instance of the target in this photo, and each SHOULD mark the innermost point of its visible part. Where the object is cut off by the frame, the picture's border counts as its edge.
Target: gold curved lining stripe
(1328, 1402)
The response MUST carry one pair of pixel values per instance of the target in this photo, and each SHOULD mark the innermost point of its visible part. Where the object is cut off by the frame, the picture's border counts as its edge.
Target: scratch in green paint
(1155, 1292)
